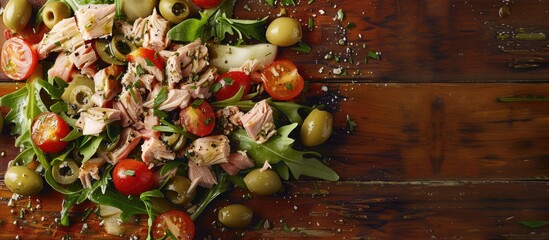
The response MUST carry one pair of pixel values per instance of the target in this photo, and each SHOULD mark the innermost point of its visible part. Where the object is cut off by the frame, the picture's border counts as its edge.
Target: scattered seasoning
(351, 25)
(288, 86)
(87, 213)
(351, 125)
(322, 12)
(129, 173)
(22, 213)
(337, 71)
(287, 2)
(315, 185)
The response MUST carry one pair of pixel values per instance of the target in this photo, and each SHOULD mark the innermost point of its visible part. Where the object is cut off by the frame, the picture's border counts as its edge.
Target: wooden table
(436, 154)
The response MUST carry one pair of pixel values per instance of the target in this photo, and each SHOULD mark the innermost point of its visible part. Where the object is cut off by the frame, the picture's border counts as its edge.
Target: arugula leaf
(68, 203)
(24, 158)
(302, 47)
(271, 3)
(192, 28)
(290, 110)
(251, 29)
(351, 125)
(279, 148)
(287, 2)
(221, 187)
(145, 198)
(534, 224)
(90, 148)
(129, 206)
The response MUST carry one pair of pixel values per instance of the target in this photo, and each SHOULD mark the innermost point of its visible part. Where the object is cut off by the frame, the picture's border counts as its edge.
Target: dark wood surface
(436, 155)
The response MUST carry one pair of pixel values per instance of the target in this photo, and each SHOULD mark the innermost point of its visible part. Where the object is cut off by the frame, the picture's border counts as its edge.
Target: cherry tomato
(198, 118)
(178, 223)
(47, 131)
(281, 80)
(132, 177)
(150, 56)
(207, 3)
(29, 33)
(230, 83)
(18, 58)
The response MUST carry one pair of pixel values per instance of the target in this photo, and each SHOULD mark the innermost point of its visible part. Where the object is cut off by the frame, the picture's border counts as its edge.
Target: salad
(156, 108)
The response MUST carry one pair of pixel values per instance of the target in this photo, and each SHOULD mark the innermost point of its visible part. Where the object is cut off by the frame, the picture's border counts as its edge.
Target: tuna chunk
(132, 77)
(94, 120)
(154, 149)
(62, 68)
(187, 61)
(63, 36)
(148, 123)
(248, 67)
(123, 27)
(156, 33)
(140, 62)
(237, 161)
(89, 170)
(258, 122)
(229, 117)
(177, 98)
(201, 88)
(129, 139)
(106, 85)
(210, 150)
(132, 104)
(201, 175)
(95, 20)
(83, 57)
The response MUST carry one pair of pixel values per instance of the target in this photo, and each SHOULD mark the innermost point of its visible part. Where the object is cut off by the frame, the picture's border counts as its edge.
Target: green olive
(316, 128)
(103, 49)
(23, 181)
(161, 204)
(17, 14)
(121, 47)
(79, 93)
(263, 182)
(65, 172)
(284, 32)
(176, 190)
(134, 9)
(235, 215)
(175, 11)
(54, 12)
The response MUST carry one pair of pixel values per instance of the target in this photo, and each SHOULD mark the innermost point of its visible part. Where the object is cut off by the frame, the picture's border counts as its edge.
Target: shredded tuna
(187, 61)
(201, 175)
(209, 150)
(201, 88)
(63, 36)
(258, 122)
(93, 121)
(177, 98)
(83, 57)
(131, 78)
(62, 68)
(140, 62)
(123, 27)
(155, 35)
(248, 67)
(106, 85)
(237, 161)
(154, 149)
(129, 139)
(131, 101)
(95, 20)
(89, 170)
(148, 123)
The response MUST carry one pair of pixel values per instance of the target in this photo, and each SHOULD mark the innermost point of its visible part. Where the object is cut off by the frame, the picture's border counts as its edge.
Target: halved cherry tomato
(281, 80)
(18, 58)
(207, 3)
(198, 118)
(178, 223)
(47, 131)
(29, 33)
(132, 177)
(230, 83)
(151, 57)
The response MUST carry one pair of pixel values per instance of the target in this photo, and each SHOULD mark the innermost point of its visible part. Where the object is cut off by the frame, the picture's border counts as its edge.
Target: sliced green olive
(65, 172)
(235, 215)
(162, 204)
(284, 32)
(263, 182)
(16, 14)
(121, 47)
(175, 141)
(79, 93)
(103, 49)
(176, 190)
(54, 12)
(134, 9)
(316, 128)
(175, 11)
(23, 181)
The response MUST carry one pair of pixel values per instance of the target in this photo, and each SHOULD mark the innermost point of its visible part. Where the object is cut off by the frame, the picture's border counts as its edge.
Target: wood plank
(429, 131)
(420, 41)
(344, 210)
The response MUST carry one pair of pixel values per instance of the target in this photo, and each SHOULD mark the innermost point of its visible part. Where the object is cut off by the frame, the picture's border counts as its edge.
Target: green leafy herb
(159, 99)
(68, 203)
(230, 100)
(310, 2)
(129, 206)
(287, 2)
(302, 47)
(215, 88)
(288, 86)
(373, 55)
(149, 62)
(86, 214)
(279, 149)
(197, 103)
(351, 125)
(228, 81)
(340, 15)
(139, 70)
(129, 173)
(534, 224)
(310, 24)
(291, 110)
(271, 3)
(221, 187)
(351, 25)
(90, 148)
(145, 198)
(529, 98)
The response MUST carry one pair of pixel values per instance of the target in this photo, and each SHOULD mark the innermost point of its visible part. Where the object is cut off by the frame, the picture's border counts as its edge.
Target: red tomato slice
(281, 80)
(178, 223)
(18, 58)
(47, 131)
(150, 56)
(198, 118)
(132, 177)
(230, 83)
(207, 3)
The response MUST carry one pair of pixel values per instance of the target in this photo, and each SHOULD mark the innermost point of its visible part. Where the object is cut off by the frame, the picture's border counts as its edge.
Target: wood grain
(435, 155)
